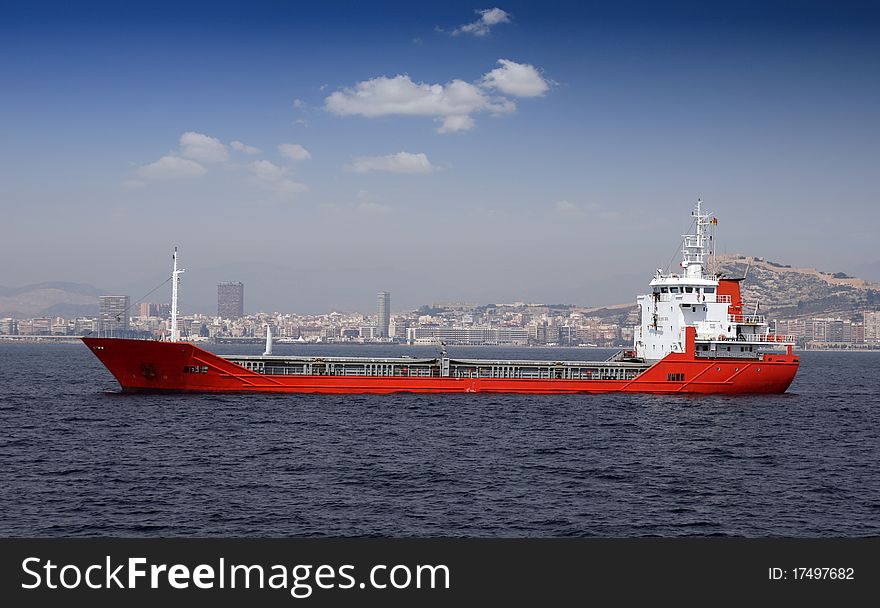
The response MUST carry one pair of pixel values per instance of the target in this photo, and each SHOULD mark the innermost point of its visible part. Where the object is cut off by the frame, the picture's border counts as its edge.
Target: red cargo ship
(694, 337)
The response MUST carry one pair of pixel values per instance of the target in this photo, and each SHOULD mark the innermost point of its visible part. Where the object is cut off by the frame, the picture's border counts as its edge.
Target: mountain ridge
(779, 290)
(50, 298)
(786, 292)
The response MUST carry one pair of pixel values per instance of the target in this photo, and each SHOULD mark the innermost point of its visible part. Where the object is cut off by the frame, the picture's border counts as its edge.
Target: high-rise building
(230, 300)
(163, 310)
(151, 309)
(113, 313)
(871, 321)
(384, 310)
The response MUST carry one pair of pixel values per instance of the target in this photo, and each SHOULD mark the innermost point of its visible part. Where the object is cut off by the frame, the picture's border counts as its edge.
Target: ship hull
(152, 366)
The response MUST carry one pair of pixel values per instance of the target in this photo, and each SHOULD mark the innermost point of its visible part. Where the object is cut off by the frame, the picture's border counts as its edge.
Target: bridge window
(664, 290)
(708, 290)
(689, 290)
(673, 290)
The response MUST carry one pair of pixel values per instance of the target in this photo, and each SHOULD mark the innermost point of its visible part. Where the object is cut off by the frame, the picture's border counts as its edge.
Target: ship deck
(440, 367)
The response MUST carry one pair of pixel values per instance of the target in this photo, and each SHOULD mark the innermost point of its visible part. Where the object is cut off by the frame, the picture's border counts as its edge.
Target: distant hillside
(786, 292)
(783, 292)
(49, 299)
(622, 314)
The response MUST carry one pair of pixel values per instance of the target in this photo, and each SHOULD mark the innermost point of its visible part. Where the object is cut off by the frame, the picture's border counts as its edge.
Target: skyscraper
(151, 309)
(113, 313)
(230, 300)
(384, 310)
(146, 309)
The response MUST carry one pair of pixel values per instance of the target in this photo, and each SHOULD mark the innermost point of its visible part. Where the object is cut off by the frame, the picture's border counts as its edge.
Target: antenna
(714, 239)
(693, 250)
(175, 279)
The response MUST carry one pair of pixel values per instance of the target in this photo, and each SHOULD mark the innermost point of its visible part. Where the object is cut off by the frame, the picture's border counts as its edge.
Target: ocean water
(78, 458)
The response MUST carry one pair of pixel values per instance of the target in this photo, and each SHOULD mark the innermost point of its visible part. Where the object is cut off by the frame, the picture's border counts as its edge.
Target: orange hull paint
(140, 365)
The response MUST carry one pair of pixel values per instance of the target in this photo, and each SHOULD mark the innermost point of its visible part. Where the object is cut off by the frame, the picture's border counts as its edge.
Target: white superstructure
(692, 298)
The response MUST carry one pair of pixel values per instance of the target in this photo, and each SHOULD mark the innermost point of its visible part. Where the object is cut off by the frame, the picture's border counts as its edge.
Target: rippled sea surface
(78, 458)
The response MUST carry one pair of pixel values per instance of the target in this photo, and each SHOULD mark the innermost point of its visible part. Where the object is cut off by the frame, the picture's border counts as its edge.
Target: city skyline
(852, 321)
(512, 152)
(516, 324)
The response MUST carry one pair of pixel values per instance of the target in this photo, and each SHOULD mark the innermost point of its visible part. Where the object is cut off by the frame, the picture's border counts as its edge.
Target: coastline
(6, 339)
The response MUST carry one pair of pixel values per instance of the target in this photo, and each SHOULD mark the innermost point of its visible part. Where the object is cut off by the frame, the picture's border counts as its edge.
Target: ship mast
(175, 279)
(693, 250)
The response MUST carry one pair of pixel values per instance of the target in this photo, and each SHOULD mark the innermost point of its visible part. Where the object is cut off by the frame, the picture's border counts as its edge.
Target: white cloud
(383, 96)
(275, 179)
(452, 124)
(267, 170)
(518, 79)
(402, 162)
(172, 167)
(202, 148)
(566, 208)
(299, 104)
(452, 103)
(294, 152)
(494, 16)
(240, 147)
(481, 27)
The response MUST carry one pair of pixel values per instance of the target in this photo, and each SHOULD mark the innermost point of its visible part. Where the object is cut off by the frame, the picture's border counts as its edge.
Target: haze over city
(455, 151)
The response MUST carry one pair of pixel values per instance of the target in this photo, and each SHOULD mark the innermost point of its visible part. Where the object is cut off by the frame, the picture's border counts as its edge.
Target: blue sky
(540, 152)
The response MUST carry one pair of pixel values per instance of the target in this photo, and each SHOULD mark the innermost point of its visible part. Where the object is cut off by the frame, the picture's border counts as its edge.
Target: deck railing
(752, 319)
(723, 354)
(761, 338)
(777, 338)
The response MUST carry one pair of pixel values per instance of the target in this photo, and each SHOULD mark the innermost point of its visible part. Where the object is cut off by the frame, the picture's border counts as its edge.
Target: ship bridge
(709, 303)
